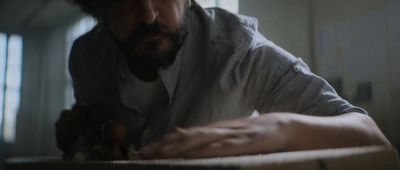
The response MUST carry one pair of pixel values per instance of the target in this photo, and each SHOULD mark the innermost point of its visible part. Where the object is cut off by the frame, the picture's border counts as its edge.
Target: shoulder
(91, 44)
(239, 38)
(91, 64)
(92, 50)
(224, 26)
(236, 35)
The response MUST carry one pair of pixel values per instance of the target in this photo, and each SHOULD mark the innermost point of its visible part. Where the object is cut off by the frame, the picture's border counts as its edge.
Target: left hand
(246, 136)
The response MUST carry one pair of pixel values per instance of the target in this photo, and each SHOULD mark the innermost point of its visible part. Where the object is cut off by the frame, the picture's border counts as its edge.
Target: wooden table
(362, 158)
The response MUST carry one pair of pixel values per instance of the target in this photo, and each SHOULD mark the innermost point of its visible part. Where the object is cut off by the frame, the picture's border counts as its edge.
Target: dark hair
(96, 8)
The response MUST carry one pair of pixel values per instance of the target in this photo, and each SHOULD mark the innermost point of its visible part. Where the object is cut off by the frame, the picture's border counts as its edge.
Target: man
(183, 82)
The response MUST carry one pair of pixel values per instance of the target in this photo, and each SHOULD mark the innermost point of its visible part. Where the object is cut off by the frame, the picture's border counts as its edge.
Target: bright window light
(79, 28)
(230, 5)
(12, 86)
(207, 3)
(3, 49)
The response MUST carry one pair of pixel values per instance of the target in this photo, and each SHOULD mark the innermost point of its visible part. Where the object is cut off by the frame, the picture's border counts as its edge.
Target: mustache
(155, 28)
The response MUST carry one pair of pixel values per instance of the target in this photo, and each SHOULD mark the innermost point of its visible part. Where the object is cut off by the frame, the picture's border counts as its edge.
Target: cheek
(173, 13)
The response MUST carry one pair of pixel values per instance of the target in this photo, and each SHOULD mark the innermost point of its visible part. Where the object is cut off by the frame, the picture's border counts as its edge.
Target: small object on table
(113, 135)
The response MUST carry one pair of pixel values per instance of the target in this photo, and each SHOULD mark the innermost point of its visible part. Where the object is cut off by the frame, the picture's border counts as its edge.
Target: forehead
(118, 6)
(133, 7)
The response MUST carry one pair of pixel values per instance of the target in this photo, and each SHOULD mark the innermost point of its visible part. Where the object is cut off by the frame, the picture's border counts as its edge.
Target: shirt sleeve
(91, 65)
(276, 81)
(75, 69)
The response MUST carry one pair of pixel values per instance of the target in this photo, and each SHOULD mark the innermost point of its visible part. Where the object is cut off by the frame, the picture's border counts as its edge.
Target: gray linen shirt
(225, 70)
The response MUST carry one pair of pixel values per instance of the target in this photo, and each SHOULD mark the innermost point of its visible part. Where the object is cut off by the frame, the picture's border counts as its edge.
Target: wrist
(290, 128)
(284, 127)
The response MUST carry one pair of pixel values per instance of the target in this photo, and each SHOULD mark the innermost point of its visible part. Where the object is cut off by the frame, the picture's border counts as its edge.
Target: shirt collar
(170, 75)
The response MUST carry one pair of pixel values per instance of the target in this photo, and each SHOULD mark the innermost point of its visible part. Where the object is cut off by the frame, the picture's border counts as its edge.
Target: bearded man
(176, 80)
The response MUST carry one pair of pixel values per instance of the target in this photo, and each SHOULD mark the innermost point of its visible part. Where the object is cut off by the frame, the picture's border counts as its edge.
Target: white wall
(359, 41)
(42, 93)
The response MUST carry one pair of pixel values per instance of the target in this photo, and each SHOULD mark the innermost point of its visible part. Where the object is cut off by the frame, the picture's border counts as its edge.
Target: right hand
(69, 128)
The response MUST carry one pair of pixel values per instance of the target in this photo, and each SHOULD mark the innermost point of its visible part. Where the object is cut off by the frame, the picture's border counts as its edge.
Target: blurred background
(354, 44)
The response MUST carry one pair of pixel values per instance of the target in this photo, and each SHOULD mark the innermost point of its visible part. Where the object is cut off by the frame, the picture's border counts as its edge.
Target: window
(78, 29)
(10, 84)
(3, 46)
(230, 5)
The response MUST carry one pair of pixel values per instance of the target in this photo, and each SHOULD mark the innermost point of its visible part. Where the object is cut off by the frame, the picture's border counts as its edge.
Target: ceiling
(24, 15)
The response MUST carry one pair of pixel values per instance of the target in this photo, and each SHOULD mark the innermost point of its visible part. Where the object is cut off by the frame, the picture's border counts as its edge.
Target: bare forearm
(268, 133)
(351, 129)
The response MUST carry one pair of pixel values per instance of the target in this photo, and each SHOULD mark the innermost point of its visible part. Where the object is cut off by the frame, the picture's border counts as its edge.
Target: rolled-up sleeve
(276, 81)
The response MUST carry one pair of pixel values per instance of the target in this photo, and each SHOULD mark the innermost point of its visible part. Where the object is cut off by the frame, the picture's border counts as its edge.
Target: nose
(148, 13)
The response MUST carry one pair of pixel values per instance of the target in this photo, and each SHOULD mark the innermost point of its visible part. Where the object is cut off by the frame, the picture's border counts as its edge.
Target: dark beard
(146, 66)
(152, 58)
